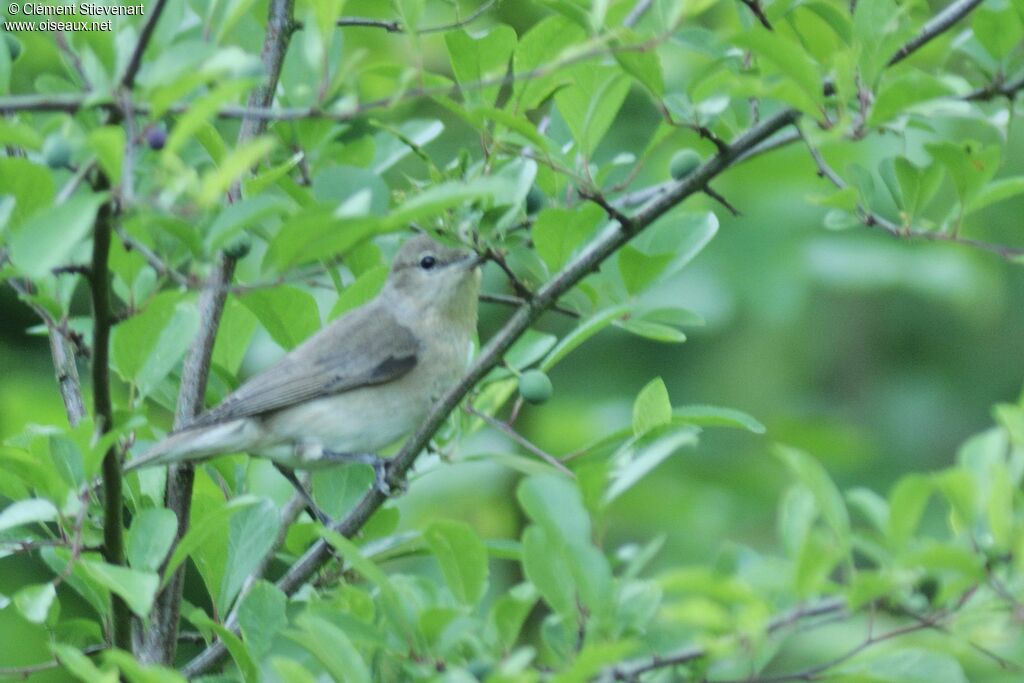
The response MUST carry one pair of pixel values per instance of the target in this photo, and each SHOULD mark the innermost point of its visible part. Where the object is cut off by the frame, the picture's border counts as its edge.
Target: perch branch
(935, 27)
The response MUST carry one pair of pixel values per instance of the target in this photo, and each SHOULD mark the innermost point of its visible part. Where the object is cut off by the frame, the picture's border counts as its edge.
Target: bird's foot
(379, 465)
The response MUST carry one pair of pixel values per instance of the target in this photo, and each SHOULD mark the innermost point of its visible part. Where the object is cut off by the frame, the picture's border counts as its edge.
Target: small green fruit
(56, 151)
(238, 248)
(535, 200)
(535, 387)
(13, 46)
(684, 163)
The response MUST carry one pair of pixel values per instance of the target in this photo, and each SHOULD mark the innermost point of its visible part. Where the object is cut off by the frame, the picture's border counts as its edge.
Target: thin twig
(393, 26)
(935, 26)
(632, 669)
(722, 200)
(508, 430)
(28, 670)
(151, 257)
(61, 39)
(872, 219)
(135, 61)
(637, 13)
(506, 300)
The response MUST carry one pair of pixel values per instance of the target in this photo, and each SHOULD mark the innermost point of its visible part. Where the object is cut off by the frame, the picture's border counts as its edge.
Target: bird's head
(430, 277)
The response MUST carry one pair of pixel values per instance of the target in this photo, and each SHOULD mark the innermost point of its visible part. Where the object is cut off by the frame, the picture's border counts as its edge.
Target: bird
(356, 386)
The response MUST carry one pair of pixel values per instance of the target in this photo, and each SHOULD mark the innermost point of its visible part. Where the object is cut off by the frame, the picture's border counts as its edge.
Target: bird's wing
(347, 354)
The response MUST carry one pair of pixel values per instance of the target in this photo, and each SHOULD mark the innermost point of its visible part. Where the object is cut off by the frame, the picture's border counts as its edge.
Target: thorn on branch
(622, 219)
(722, 200)
(758, 11)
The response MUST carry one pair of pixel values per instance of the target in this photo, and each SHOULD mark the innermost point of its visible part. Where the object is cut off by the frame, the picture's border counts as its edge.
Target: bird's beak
(471, 261)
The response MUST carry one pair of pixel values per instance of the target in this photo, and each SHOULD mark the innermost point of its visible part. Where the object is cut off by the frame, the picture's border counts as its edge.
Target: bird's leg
(379, 465)
(311, 506)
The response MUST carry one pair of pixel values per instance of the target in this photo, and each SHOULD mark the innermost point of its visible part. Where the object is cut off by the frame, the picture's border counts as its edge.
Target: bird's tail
(196, 443)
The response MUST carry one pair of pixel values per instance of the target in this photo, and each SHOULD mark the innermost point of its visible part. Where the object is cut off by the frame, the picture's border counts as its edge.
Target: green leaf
(540, 48)
(970, 165)
(790, 59)
(31, 186)
(640, 270)
(147, 346)
(898, 94)
(34, 601)
(138, 588)
(907, 502)
(714, 416)
(332, 648)
(150, 537)
(462, 556)
(548, 573)
(584, 331)
(996, 191)
(241, 159)
(816, 479)
(237, 325)
(366, 286)
(652, 407)
(509, 611)
(20, 135)
(289, 314)
(651, 330)
(29, 511)
(558, 233)
(50, 237)
(479, 59)
(634, 462)
(908, 665)
(998, 30)
(591, 102)
(80, 666)
(556, 504)
(251, 535)
(643, 65)
(261, 617)
(108, 143)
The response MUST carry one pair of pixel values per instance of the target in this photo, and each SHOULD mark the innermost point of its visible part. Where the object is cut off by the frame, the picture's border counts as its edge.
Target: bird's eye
(428, 262)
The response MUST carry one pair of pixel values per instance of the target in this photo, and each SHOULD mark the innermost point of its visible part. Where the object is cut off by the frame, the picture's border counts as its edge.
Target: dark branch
(393, 26)
(758, 11)
(103, 409)
(135, 62)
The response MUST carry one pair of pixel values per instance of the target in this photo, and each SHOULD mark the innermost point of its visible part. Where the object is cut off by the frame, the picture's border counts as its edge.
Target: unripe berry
(684, 163)
(535, 387)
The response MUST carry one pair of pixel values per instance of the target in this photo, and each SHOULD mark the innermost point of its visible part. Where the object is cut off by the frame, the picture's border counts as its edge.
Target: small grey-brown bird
(357, 385)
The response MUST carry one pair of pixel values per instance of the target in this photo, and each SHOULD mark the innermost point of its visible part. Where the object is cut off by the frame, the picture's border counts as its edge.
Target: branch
(998, 88)
(872, 219)
(637, 13)
(113, 505)
(64, 367)
(612, 238)
(936, 26)
(132, 70)
(507, 429)
(758, 11)
(630, 670)
(159, 640)
(393, 26)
